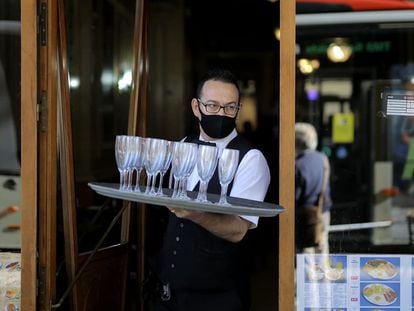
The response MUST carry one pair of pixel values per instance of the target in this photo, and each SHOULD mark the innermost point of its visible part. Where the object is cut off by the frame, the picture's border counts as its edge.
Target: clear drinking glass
(227, 166)
(131, 149)
(155, 149)
(183, 161)
(162, 152)
(206, 165)
(165, 165)
(177, 166)
(189, 164)
(122, 158)
(138, 159)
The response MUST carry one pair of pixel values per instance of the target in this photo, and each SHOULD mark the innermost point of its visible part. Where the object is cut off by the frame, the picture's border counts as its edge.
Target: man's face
(218, 93)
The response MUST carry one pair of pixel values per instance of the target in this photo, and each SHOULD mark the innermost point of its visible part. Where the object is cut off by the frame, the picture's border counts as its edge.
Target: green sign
(357, 47)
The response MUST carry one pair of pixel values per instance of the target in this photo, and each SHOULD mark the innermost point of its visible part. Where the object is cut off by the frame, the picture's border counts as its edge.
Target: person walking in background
(311, 167)
(201, 260)
(403, 151)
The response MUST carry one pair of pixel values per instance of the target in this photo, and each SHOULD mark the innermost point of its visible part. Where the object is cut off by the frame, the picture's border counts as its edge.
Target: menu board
(400, 104)
(10, 269)
(343, 282)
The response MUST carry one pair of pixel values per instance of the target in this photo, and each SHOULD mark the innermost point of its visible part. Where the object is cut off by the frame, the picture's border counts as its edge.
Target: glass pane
(10, 124)
(355, 86)
(100, 36)
(185, 39)
(10, 182)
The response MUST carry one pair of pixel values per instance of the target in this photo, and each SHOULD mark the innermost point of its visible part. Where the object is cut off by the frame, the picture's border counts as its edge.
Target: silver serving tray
(237, 206)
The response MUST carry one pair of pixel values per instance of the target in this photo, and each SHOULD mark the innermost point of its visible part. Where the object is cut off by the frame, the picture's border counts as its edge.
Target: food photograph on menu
(10, 293)
(325, 269)
(380, 269)
(325, 309)
(376, 309)
(378, 277)
(380, 294)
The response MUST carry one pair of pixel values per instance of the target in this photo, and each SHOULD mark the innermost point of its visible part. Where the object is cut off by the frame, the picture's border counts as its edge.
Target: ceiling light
(339, 51)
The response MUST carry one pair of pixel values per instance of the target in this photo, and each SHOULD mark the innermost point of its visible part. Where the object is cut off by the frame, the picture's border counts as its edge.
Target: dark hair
(217, 74)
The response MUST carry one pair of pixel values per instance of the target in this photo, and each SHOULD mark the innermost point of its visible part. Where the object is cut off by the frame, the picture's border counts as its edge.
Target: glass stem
(159, 192)
(149, 177)
(130, 173)
(183, 193)
(223, 195)
(121, 177)
(200, 196)
(124, 179)
(154, 180)
(204, 189)
(176, 185)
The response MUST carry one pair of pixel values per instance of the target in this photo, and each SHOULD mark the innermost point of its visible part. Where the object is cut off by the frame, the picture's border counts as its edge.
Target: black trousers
(229, 300)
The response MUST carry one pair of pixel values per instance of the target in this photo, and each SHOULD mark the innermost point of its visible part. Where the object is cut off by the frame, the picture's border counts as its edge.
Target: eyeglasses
(214, 107)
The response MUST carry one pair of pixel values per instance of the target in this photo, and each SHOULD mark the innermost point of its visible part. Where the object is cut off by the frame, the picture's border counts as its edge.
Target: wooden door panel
(29, 150)
(102, 285)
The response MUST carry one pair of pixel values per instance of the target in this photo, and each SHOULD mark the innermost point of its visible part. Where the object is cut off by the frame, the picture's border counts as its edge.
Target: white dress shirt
(252, 177)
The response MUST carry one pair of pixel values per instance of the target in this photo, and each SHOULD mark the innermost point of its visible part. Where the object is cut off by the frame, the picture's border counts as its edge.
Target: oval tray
(237, 206)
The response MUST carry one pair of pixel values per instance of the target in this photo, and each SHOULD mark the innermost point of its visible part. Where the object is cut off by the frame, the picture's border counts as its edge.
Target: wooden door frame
(287, 155)
(28, 150)
(29, 147)
(38, 152)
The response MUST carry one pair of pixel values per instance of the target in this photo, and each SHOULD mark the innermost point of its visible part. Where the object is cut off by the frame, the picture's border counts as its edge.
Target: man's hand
(229, 227)
(185, 213)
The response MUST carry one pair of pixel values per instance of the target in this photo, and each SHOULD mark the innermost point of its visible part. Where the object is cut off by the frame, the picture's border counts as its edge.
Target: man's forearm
(228, 227)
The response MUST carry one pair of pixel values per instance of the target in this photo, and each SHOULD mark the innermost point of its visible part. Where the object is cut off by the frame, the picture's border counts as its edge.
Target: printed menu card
(345, 282)
(10, 270)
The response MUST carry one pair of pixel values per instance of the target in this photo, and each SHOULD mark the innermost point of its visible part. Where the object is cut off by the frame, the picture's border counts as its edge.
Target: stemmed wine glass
(155, 150)
(131, 149)
(138, 146)
(183, 162)
(177, 165)
(190, 161)
(228, 163)
(165, 165)
(206, 165)
(122, 155)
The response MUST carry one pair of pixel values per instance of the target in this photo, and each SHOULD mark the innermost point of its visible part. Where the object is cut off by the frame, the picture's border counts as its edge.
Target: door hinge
(42, 23)
(42, 112)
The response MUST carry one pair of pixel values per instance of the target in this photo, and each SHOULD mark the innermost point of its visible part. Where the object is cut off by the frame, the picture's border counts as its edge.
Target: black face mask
(217, 126)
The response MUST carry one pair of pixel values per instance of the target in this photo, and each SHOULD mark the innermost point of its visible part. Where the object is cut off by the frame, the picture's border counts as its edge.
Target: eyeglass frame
(237, 107)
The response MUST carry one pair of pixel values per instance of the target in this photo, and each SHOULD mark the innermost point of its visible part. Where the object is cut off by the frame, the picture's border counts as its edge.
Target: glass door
(11, 205)
(355, 86)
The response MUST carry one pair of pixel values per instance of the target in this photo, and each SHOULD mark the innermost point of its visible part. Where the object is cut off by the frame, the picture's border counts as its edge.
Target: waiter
(201, 260)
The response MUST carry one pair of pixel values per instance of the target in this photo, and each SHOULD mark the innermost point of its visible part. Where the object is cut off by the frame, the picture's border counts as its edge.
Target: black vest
(194, 259)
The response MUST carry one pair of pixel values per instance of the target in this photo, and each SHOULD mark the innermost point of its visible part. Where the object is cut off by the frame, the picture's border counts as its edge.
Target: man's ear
(195, 107)
(238, 112)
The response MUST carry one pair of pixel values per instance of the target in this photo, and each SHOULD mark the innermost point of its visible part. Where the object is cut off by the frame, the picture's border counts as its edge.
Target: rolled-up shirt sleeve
(252, 180)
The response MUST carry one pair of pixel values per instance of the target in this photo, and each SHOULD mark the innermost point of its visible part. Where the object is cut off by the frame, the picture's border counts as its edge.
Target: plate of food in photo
(380, 269)
(315, 272)
(11, 307)
(334, 274)
(12, 292)
(379, 294)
